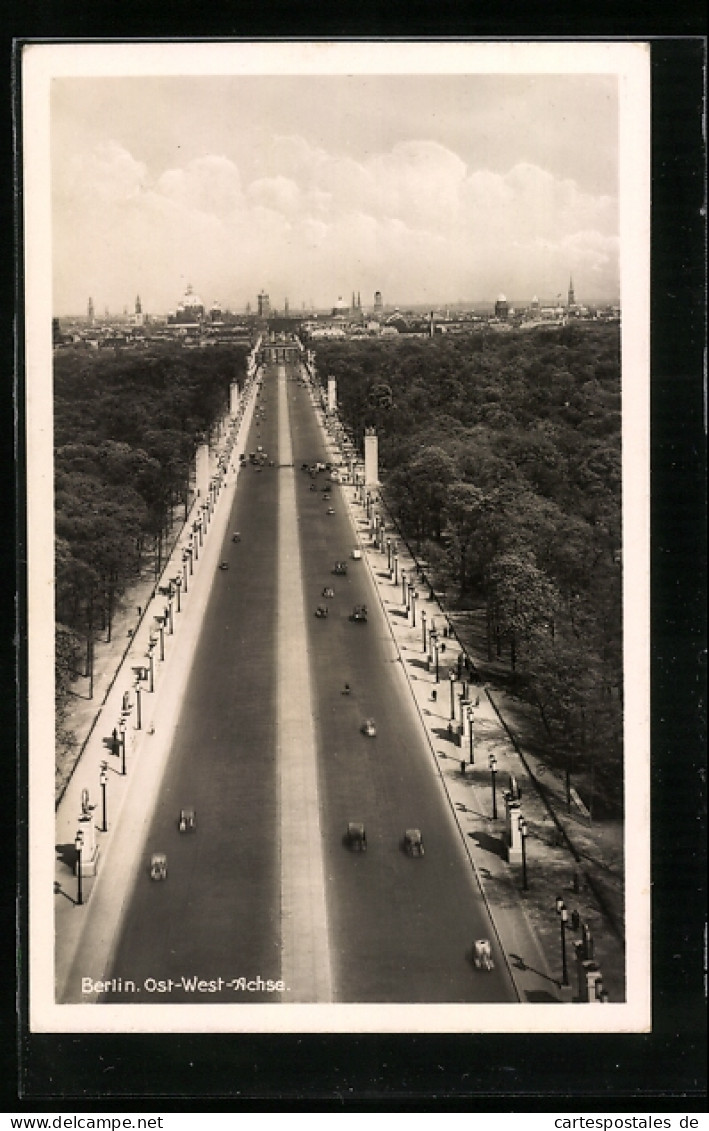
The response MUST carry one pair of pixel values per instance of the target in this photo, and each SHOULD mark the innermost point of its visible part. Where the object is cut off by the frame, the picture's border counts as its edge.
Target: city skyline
(435, 188)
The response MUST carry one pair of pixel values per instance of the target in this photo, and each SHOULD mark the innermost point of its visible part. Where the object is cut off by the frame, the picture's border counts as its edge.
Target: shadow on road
(487, 843)
(66, 853)
(519, 964)
(59, 890)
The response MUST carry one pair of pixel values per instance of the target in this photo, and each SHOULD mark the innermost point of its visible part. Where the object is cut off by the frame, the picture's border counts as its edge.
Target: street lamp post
(435, 651)
(178, 587)
(122, 732)
(161, 626)
(414, 595)
(403, 587)
(493, 775)
(138, 717)
(451, 677)
(423, 628)
(79, 846)
(151, 663)
(389, 554)
(170, 620)
(396, 568)
(563, 920)
(471, 736)
(103, 781)
(523, 839)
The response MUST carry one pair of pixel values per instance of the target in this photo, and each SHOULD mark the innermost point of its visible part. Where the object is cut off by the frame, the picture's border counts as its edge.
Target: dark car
(340, 568)
(413, 842)
(356, 836)
(359, 613)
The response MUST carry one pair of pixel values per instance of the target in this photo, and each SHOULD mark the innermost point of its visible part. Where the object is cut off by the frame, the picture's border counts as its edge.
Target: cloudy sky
(432, 188)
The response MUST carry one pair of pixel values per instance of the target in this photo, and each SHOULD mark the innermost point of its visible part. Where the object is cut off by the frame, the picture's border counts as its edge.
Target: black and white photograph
(337, 432)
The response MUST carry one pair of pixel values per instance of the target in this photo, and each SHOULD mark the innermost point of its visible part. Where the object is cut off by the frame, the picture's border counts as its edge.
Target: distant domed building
(340, 309)
(502, 307)
(190, 309)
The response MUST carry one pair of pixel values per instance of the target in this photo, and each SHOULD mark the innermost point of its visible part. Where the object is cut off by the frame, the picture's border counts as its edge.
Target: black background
(661, 1071)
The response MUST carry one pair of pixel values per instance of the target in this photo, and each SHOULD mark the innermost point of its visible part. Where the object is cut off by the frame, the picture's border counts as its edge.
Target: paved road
(399, 930)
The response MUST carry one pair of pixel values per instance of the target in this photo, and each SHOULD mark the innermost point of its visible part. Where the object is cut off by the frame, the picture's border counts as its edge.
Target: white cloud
(415, 221)
(208, 184)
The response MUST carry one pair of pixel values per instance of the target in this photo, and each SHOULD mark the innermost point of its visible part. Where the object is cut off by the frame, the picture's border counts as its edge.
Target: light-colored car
(188, 821)
(356, 554)
(158, 866)
(369, 728)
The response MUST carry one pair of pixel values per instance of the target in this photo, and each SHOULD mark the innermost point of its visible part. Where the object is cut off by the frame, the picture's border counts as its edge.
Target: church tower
(572, 299)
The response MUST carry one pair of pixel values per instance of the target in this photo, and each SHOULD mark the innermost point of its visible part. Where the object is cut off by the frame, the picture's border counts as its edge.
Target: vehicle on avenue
(413, 842)
(224, 565)
(321, 611)
(359, 614)
(328, 591)
(330, 510)
(340, 568)
(236, 537)
(482, 955)
(158, 866)
(188, 821)
(356, 554)
(369, 728)
(356, 836)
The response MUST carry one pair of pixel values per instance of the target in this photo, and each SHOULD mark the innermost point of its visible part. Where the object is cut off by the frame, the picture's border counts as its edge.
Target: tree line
(126, 429)
(500, 455)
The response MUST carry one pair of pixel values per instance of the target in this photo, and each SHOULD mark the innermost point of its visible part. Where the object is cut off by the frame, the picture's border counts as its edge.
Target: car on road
(356, 554)
(359, 614)
(356, 836)
(482, 954)
(158, 866)
(340, 568)
(369, 728)
(328, 591)
(188, 821)
(321, 611)
(224, 565)
(330, 510)
(413, 842)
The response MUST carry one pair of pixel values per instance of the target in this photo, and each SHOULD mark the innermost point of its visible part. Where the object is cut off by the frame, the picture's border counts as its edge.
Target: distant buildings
(502, 308)
(193, 325)
(189, 311)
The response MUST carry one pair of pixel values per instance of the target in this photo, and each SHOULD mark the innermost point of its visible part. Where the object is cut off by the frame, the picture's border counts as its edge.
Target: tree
(465, 506)
(521, 600)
